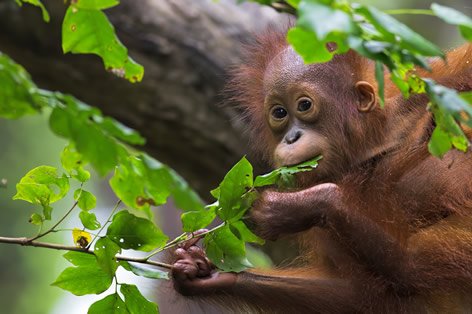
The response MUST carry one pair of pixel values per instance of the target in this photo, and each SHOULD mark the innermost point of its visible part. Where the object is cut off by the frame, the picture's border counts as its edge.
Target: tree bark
(186, 48)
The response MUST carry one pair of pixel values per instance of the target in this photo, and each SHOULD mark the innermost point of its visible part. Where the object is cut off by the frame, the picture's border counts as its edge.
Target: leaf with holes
(226, 250)
(105, 250)
(132, 232)
(112, 304)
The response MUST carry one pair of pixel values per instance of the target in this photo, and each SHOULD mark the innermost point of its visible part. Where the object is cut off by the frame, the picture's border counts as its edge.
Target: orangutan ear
(367, 97)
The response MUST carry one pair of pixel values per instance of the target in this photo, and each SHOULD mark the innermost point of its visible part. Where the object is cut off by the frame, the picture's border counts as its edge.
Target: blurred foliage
(23, 271)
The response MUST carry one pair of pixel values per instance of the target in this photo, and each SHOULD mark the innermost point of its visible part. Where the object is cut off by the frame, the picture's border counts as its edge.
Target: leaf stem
(28, 242)
(56, 224)
(107, 221)
(178, 241)
(40, 235)
(171, 243)
(410, 11)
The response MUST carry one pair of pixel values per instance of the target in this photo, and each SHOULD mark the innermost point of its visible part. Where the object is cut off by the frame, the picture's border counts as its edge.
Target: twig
(54, 246)
(56, 224)
(106, 222)
(410, 11)
(175, 243)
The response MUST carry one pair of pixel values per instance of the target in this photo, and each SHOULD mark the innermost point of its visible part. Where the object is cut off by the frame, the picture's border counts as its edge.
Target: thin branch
(56, 224)
(106, 222)
(54, 246)
(174, 243)
(410, 11)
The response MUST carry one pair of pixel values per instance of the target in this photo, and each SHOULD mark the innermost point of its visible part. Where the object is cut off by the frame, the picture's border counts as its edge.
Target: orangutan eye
(279, 112)
(304, 105)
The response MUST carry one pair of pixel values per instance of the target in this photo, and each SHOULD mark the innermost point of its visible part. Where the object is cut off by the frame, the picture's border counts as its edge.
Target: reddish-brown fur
(387, 227)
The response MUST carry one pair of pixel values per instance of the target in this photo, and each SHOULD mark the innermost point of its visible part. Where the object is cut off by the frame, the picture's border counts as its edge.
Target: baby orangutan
(384, 226)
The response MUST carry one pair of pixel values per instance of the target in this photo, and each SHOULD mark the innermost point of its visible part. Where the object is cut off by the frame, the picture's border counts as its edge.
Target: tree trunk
(186, 48)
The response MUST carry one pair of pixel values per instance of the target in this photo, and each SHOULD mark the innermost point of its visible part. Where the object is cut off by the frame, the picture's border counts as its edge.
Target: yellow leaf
(81, 238)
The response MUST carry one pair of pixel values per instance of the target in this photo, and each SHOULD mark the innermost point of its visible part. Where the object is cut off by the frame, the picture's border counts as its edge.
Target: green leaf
(264, 2)
(282, 175)
(454, 17)
(308, 46)
(84, 280)
(226, 250)
(89, 31)
(267, 179)
(467, 96)
(85, 199)
(417, 85)
(42, 186)
(460, 142)
(244, 233)
(258, 258)
(449, 101)
(439, 143)
(136, 303)
(141, 181)
(70, 158)
(36, 219)
(294, 3)
(74, 122)
(47, 211)
(394, 31)
(215, 193)
(95, 4)
(236, 182)
(397, 79)
(89, 220)
(375, 50)
(120, 131)
(105, 250)
(324, 20)
(81, 259)
(131, 232)
(112, 304)
(17, 97)
(195, 220)
(73, 162)
(147, 272)
(446, 125)
(37, 3)
(129, 183)
(161, 175)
